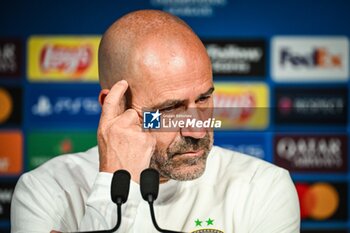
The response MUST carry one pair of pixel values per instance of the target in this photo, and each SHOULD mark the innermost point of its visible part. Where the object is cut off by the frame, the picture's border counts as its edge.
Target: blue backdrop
(212, 20)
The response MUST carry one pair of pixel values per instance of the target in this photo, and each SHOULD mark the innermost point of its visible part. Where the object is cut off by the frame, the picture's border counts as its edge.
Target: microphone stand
(149, 185)
(119, 194)
(119, 221)
(150, 202)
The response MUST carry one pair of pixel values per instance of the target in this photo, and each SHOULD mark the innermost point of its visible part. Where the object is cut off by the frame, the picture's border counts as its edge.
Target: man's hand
(122, 143)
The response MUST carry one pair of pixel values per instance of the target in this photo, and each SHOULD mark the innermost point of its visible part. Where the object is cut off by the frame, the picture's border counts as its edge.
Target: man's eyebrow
(167, 104)
(207, 93)
(171, 103)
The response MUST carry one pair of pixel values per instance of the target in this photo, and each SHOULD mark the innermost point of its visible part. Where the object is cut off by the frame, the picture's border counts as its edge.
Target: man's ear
(103, 94)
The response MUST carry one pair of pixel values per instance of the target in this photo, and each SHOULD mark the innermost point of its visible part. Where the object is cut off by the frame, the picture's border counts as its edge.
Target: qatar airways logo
(66, 59)
(324, 153)
(157, 120)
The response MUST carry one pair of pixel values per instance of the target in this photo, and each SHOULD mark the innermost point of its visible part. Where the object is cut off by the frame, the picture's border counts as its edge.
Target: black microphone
(119, 194)
(120, 187)
(149, 185)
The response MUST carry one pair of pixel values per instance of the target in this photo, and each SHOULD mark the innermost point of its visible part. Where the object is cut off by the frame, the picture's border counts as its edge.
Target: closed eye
(203, 99)
(171, 108)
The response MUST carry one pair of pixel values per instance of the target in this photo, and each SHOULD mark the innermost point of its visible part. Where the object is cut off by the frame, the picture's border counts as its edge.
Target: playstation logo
(151, 120)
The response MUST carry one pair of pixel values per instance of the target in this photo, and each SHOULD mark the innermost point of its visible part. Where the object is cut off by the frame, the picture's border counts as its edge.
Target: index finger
(114, 103)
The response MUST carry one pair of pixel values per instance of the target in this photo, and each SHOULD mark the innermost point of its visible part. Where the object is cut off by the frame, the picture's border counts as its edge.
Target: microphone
(149, 185)
(120, 187)
(119, 194)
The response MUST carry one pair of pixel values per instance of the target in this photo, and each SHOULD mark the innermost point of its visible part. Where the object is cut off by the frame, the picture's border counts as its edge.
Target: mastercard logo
(5, 105)
(318, 201)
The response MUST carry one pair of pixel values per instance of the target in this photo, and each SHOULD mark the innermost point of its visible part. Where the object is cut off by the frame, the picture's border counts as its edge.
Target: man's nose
(193, 132)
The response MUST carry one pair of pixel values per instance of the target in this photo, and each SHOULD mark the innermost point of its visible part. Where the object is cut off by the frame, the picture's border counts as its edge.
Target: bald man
(152, 60)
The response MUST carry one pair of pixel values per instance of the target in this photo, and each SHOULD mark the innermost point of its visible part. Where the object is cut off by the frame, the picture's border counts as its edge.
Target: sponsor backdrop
(281, 71)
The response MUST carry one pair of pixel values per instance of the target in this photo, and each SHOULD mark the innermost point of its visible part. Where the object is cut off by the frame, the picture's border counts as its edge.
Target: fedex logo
(310, 59)
(319, 57)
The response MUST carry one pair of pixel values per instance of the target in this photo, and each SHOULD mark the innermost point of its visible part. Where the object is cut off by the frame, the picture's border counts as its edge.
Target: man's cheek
(164, 139)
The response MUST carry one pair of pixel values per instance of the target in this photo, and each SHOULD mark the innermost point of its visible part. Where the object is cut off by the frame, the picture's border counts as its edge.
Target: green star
(198, 223)
(210, 221)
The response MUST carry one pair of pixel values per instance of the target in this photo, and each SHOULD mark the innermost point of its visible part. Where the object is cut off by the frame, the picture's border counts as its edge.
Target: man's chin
(191, 175)
(185, 172)
(184, 166)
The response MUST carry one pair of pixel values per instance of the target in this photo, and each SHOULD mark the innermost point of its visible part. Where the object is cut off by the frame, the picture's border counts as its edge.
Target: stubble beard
(171, 165)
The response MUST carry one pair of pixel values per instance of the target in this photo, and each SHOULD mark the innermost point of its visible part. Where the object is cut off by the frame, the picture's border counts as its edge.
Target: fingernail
(123, 82)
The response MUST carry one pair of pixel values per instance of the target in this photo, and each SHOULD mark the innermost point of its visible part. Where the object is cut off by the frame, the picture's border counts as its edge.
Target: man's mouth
(192, 154)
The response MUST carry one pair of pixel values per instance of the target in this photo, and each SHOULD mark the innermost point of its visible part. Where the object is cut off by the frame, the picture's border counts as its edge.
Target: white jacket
(236, 194)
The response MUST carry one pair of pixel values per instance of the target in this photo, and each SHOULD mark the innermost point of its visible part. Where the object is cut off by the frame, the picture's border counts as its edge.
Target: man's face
(178, 82)
(181, 153)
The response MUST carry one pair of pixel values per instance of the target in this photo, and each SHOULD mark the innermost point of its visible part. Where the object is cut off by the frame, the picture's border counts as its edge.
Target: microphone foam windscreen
(120, 185)
(149, 183)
